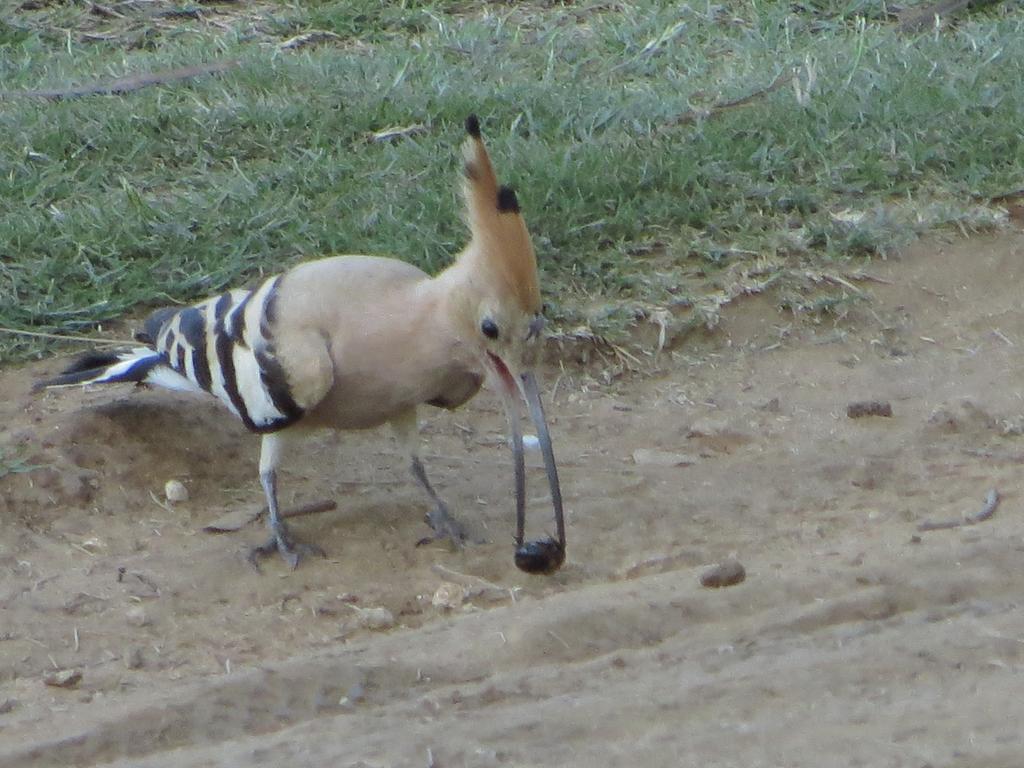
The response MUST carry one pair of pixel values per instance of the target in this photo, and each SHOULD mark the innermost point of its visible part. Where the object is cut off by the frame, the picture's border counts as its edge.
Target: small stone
(136, 616)
(93, 544)
(1012, 427)
(964, 416)
(354, 695)
(175, 491)
(864, 408)
(448, 596)
(133, 658)
(650, 457)
(726, 574)
(376, 618)
(7, 705)
(63, 678)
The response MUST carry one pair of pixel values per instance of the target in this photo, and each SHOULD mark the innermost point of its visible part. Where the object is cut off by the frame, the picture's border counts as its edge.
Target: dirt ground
(856, 639)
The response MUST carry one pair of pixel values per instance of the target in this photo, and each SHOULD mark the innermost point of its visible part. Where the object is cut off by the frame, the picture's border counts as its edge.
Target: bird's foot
(282, 542)
(445, 527)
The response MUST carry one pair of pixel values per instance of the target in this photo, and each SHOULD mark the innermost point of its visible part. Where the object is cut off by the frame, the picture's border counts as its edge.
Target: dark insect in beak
(540, 557)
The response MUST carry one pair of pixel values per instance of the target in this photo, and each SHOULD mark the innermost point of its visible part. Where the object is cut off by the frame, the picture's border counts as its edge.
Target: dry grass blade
(396, 132)
(69, 337)
(306, 39)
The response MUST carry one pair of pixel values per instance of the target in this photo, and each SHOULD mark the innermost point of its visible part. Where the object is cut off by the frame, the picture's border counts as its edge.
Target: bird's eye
(489, 329)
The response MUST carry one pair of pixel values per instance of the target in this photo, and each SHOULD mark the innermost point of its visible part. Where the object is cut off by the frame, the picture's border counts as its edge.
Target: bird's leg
(281, 539)
(439, 518)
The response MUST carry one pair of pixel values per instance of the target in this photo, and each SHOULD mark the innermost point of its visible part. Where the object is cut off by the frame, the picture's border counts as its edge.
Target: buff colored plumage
(355, 342)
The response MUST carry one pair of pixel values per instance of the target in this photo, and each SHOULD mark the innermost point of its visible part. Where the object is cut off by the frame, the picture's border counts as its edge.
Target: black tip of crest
(473, 126)
(507, 200)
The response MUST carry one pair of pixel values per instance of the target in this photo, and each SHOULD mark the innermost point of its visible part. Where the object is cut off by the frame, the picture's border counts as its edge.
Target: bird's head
(500, 318)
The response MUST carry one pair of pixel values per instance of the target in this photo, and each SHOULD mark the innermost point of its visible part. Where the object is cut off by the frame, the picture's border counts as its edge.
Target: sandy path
(855, 640)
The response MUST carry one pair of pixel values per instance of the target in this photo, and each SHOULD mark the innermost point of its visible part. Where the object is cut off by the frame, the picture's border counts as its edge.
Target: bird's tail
(139, 365)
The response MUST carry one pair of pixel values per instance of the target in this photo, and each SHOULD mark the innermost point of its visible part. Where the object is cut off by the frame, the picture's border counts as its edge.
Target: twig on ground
(984, 453)
(916, 19)
(987, 510)
(1002, 337)
(104, 11)
(162, 504)
(239, 518)
(127, 84)
(314, 507)
(693, 115)
(67, 337)
(928, 525)
(872, 278)
(180, 13)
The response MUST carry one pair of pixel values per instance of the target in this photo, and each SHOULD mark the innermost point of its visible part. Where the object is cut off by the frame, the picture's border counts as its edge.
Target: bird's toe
(445, 527)
(282, 542)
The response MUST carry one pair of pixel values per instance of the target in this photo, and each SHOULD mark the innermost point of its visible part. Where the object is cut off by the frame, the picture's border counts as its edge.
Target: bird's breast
(363, 398)
(457, 390)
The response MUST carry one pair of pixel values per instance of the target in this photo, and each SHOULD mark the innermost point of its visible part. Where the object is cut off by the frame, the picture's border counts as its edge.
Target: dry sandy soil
(856, 639)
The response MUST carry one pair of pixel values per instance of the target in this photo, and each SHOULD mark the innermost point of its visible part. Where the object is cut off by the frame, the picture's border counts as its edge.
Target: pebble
(651, 457)
(868, 408)
(726, 574)
(63, 678)
(375, 618)
(448, 596)
(175, 491)
(136, 616)
(354, 695)
(93, 544)
(133, 658)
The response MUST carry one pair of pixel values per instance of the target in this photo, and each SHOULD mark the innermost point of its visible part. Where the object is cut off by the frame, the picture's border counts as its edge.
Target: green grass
(110, 204)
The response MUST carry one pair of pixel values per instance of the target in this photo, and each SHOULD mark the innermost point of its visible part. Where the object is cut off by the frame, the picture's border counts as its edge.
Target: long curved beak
(545, 555)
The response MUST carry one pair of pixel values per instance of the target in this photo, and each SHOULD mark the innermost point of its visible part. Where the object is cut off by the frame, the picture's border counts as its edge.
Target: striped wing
(225, 346)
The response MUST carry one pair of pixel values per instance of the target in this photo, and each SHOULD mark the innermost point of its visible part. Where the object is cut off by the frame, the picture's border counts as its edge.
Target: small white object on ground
(175, 491)
(63, 678)
(448, 596)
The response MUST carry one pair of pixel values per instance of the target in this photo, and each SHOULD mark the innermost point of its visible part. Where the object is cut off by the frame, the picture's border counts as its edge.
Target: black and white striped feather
(223, 345)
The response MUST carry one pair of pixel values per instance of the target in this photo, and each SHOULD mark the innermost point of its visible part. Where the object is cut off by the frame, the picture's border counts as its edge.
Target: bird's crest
(500, 246)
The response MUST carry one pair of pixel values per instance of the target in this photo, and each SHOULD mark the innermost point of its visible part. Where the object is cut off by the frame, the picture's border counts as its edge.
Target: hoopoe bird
(356, 342)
